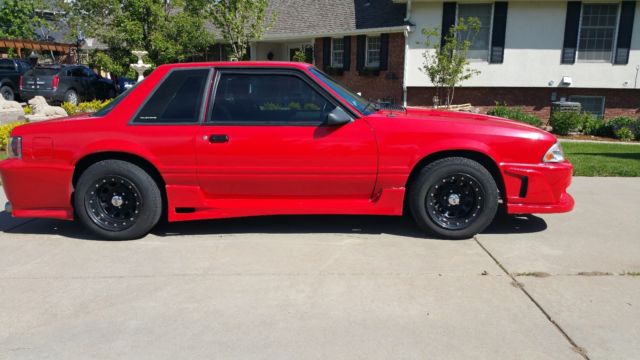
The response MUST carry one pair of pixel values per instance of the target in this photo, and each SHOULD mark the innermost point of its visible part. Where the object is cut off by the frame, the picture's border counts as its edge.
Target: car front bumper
(539, 188)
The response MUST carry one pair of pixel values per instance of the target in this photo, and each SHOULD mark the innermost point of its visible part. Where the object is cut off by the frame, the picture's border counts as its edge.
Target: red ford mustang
(217, 140)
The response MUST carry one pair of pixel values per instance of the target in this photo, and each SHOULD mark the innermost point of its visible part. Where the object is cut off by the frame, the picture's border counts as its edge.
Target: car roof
(262, 64)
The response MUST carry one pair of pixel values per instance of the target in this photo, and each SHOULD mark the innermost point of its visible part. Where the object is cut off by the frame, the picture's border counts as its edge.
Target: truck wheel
(7, 93)
(454, 198)
(117, 200)
(71, 96)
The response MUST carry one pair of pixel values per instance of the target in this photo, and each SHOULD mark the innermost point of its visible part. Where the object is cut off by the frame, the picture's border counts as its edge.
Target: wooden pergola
(19, 45)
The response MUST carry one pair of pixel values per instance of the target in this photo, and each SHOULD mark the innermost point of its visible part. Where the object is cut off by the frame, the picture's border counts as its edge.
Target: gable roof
(318, 17)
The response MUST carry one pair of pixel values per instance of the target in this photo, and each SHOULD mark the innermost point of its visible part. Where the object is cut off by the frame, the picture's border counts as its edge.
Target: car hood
(465, 120)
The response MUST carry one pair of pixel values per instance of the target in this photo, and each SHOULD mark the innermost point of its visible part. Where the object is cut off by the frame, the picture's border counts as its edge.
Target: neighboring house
(359, 42)
(532, 53)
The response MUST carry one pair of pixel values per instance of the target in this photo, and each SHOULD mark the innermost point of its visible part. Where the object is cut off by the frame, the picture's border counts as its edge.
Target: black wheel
(454, 198)
(117, 200)
(71, 96)
(7, 93)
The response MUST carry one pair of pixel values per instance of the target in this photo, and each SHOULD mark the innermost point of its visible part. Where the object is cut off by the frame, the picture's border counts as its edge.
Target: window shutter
(571, 28)
(499, 32)
(308, 54)
(625, 29)
(326, 53)
(346, 59)
(360, 51)
(448, 19)
(384, 51)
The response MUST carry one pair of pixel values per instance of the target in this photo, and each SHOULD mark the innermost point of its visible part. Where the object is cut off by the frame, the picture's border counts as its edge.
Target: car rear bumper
(37, 189)
(49, 95)
(539, 188)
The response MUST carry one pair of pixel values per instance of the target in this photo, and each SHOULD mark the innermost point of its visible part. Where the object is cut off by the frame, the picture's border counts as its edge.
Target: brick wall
(536, 101)
(387, 85)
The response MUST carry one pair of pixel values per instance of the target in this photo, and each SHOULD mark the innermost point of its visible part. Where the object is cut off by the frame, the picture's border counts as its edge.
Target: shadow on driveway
(313, 224)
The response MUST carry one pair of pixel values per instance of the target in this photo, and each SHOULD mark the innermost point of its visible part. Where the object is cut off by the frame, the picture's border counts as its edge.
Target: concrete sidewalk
(330, 287)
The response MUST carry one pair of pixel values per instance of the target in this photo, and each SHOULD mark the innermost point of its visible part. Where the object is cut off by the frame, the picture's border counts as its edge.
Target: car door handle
(218, 138)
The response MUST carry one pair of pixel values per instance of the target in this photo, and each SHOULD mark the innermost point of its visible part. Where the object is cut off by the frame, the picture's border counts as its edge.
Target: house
(530, 53)
(533, 53)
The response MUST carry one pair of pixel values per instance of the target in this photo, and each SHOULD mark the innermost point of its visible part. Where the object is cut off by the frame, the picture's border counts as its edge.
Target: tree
(240, 21)
(19, 20)
(447, 65)
(171, 31)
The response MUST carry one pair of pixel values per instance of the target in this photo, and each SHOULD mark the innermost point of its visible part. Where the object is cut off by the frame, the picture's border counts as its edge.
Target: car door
(266, 137)
(166, 124)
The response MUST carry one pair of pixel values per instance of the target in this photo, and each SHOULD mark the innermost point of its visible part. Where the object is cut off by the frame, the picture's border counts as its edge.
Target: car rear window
(42, 71)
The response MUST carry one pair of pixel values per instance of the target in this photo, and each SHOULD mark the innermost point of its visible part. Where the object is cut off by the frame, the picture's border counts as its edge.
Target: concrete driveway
(325, 287)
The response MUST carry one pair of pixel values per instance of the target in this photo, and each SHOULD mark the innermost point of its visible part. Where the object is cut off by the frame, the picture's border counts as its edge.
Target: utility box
(565, 106)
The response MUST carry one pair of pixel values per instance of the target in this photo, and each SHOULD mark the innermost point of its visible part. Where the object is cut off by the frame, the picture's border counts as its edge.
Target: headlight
(554, 154)
(14, 148)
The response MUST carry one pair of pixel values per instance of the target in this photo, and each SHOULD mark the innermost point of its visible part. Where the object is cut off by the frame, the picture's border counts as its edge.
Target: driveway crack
(578, 349)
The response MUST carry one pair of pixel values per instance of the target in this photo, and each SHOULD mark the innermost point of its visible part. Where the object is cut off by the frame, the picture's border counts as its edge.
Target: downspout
(406, 54)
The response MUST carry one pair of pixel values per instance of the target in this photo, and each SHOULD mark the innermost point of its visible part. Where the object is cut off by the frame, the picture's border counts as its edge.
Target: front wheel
(454, 198)
(71, 96)
(117, 200)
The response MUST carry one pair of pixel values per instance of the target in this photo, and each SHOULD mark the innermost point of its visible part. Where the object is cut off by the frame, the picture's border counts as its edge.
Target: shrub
(562, 122)
(27, 110)
(624, 134)
(84, 107)
(5, 132)
(514, 114)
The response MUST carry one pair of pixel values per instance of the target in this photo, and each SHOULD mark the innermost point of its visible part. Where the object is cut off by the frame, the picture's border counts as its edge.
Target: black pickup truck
(10, 72)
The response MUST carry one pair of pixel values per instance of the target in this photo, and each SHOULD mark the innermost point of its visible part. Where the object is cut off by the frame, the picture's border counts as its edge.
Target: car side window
(77, 72)
(178, 99)
(6, 64)
(268, 98)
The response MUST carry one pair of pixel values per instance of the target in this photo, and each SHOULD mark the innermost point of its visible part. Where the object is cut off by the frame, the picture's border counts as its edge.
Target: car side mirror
(338, 117)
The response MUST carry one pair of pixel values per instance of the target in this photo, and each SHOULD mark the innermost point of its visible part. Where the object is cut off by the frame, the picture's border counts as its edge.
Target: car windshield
(364, 106)
(113, 103)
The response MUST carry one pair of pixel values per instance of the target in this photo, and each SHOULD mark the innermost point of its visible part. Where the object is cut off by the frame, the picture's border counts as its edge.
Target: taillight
(55, 81)
(20, 83)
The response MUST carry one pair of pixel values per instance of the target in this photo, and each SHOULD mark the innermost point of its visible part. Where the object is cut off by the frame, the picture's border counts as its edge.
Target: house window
(337, 52)
(598, 25)
(593, 105)
(480, 42)
(372, 59)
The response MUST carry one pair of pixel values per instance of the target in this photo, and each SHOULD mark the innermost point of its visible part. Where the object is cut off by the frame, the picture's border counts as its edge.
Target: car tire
(117, 200)
(454, 198)
(7, 93)
(71, 96)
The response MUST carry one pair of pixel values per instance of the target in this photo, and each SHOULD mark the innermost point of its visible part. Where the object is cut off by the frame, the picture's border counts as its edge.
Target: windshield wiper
(375, 105)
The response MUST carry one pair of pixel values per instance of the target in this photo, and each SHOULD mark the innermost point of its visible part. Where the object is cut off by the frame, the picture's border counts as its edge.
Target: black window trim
(203, 106)
(268, 71)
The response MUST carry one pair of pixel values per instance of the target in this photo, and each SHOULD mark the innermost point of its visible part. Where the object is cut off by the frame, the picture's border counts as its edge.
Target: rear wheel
(117, 200)
(71, 96)
(454, 198)
(7, 93)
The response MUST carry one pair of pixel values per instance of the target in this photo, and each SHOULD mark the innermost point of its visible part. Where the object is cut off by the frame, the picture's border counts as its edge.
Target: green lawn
(593, 159)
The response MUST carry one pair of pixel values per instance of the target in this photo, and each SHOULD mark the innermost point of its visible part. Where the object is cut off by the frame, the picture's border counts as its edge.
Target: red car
(230, 139)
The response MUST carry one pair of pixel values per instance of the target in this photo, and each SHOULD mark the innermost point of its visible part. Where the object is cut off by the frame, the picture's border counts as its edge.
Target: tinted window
(178, 99)
(42, 72)
(268, 98)
(112, 104)
(355, 100)
(77, 72)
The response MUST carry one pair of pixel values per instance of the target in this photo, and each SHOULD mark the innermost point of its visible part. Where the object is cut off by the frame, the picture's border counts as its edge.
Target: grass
(600, 159)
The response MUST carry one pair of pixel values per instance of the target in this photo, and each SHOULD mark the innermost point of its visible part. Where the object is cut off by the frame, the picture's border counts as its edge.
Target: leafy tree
(447, 66)
(18, 19)
(240, 21)
(171, 31)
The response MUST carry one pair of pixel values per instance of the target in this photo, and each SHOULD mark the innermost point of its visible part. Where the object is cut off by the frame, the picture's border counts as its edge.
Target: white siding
(534, 38)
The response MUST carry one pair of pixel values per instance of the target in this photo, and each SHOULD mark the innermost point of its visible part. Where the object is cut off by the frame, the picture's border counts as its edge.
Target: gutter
(392, 29)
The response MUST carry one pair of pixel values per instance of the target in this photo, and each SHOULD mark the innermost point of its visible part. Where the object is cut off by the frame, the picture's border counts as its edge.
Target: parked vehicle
(229, 139)
(66, 83)
(10, 72)
(124, 84)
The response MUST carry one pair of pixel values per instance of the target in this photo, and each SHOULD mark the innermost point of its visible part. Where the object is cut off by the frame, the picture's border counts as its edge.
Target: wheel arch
(83, 164)
(483, 159)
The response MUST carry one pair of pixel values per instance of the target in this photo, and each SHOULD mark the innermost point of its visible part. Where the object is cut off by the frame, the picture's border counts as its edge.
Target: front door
(265, 137)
